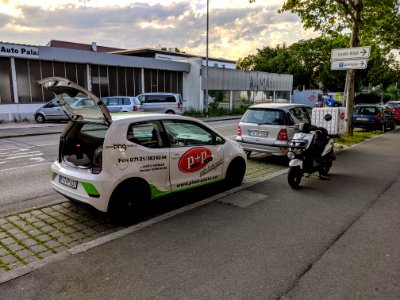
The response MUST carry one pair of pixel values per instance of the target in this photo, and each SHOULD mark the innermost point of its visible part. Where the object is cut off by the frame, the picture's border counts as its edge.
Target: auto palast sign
(350, 58)
(19, 51)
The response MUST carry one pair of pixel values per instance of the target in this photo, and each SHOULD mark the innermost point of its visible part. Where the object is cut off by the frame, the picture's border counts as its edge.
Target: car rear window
(393, 105)
(264, 116)
(368, 110)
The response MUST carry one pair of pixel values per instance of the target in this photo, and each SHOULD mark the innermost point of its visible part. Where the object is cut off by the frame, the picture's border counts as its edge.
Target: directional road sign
(350, 53)
(349, 64)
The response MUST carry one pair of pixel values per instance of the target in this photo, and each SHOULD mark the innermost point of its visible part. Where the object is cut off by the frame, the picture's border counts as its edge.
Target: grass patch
(358, 137)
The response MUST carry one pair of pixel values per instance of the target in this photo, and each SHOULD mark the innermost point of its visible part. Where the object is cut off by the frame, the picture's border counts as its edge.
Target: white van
(122, 103)
(168, 103)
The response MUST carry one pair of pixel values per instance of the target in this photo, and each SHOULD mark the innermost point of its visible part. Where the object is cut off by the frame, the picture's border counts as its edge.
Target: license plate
(258, 133)
(362, 119)
(68, 182)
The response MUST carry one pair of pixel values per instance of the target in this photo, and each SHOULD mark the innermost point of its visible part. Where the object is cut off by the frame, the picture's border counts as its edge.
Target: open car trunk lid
(95, 111)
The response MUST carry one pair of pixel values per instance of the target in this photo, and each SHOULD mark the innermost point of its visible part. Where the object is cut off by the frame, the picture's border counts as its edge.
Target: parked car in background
(169, 103)
(53, 111)
(118, 162)
(394, 106)
(267, 127)
(122, 103)
(373, 117)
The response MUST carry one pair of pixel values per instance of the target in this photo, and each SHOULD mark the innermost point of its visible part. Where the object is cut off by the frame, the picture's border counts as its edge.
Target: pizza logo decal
(194, 160)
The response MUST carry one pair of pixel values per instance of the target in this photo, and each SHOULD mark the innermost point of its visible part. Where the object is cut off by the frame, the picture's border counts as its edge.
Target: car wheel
(235, 173)
(294, 177)
(129, 201)
(170, 112)
(39, 118)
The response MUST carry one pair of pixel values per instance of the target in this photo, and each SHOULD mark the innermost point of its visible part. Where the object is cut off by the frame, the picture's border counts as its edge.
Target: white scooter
(310, 150)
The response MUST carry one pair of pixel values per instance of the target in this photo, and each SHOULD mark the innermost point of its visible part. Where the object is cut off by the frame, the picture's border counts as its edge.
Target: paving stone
(58, 207)
(39, 224)
(65, 240)
(13, 218)
(24, 253)
(16, 264)
(74, 243)
(100, 228)
(47, 209)
(32, 219)
(15, 247)
(62, 218)
(3, 251)
(3, 221)
(14, 231)
(37, 213)
(89, 231)
(9, 259)
(46, 254)
(44, 237)
(50, 220)
(80, 226)
(47, 228)
(25, 215)
(7, 226)
(66, 204)
(35, 232)
(38, 248)
(29, 242)
(21, 236)
(8, 241)
(31, 259)
(52, 244)
(57, 234)
(20, 223)
(77, 235)
(27, 227)
(59, 225)
(69, 229)
(60, 249)
(3, 234)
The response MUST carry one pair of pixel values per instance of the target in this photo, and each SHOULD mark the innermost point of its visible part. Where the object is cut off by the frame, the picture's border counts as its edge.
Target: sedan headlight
(291, 155)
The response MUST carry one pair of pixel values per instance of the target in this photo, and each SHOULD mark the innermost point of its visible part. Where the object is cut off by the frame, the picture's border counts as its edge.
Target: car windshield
(393, 105)
(264, 116)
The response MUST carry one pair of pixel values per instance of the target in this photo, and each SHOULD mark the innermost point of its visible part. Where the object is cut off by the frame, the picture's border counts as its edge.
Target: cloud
(234, 32)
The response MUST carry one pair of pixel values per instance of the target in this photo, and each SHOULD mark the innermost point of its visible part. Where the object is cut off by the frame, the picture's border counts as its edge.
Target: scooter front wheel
(294, 177)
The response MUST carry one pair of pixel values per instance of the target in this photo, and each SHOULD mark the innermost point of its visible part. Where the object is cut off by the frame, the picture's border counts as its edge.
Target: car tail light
(239, 131)
(282, 135)
(134, 108)
(179, 106)
(378, 116)
(97, 163)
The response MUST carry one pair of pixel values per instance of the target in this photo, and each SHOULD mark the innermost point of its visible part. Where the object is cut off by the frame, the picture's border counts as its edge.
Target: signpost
(349, 64)
(350, 53)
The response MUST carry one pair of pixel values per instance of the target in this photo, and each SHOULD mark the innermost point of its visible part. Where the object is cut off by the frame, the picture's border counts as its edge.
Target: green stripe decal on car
(90, 190)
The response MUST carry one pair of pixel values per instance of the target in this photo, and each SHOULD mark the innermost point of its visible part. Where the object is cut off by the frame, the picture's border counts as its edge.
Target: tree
(372, 19)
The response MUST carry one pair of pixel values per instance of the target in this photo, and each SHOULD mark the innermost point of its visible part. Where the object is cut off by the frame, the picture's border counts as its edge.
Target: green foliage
(357, 137)
(373, 97)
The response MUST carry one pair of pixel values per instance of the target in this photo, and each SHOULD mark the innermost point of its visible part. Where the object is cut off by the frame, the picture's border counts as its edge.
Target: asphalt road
(335, 239)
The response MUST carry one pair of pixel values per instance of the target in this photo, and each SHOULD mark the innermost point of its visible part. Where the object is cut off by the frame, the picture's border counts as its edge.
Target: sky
(236, 28)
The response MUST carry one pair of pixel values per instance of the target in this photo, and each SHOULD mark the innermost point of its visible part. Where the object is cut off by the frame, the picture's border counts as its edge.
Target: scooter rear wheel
(294, 177)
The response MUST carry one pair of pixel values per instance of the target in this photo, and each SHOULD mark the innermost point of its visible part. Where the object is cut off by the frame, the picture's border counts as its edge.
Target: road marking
(23, 167)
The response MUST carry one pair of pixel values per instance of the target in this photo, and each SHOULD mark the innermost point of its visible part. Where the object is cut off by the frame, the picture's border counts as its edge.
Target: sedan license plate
(362, 119)
(68, 182)
(258, 133)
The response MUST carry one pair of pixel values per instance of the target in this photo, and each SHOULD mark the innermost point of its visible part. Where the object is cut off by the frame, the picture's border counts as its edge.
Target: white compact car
(267, 127)
(118, 162)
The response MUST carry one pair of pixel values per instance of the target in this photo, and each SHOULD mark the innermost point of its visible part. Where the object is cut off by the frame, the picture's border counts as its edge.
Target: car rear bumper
(280, 150)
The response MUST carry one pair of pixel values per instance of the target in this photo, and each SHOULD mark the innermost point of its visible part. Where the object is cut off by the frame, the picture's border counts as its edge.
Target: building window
(6, 91)
(23, 82)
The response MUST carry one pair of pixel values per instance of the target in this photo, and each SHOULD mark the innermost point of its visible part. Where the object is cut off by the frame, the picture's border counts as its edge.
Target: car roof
(278, 105)
(158, 94)
(128, 117)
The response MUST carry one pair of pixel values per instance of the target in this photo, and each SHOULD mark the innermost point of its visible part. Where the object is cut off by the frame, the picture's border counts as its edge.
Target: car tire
(129, 201)
(39, 118)
(235, 173)
(294, 177)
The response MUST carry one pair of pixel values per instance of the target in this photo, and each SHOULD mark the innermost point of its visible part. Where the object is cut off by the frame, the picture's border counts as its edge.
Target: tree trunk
(354, 42)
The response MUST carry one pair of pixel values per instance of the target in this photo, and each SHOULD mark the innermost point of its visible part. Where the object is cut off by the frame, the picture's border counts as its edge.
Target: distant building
(111, 71)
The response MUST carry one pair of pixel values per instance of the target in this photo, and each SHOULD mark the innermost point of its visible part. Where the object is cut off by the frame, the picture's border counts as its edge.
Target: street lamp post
(206, 76)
